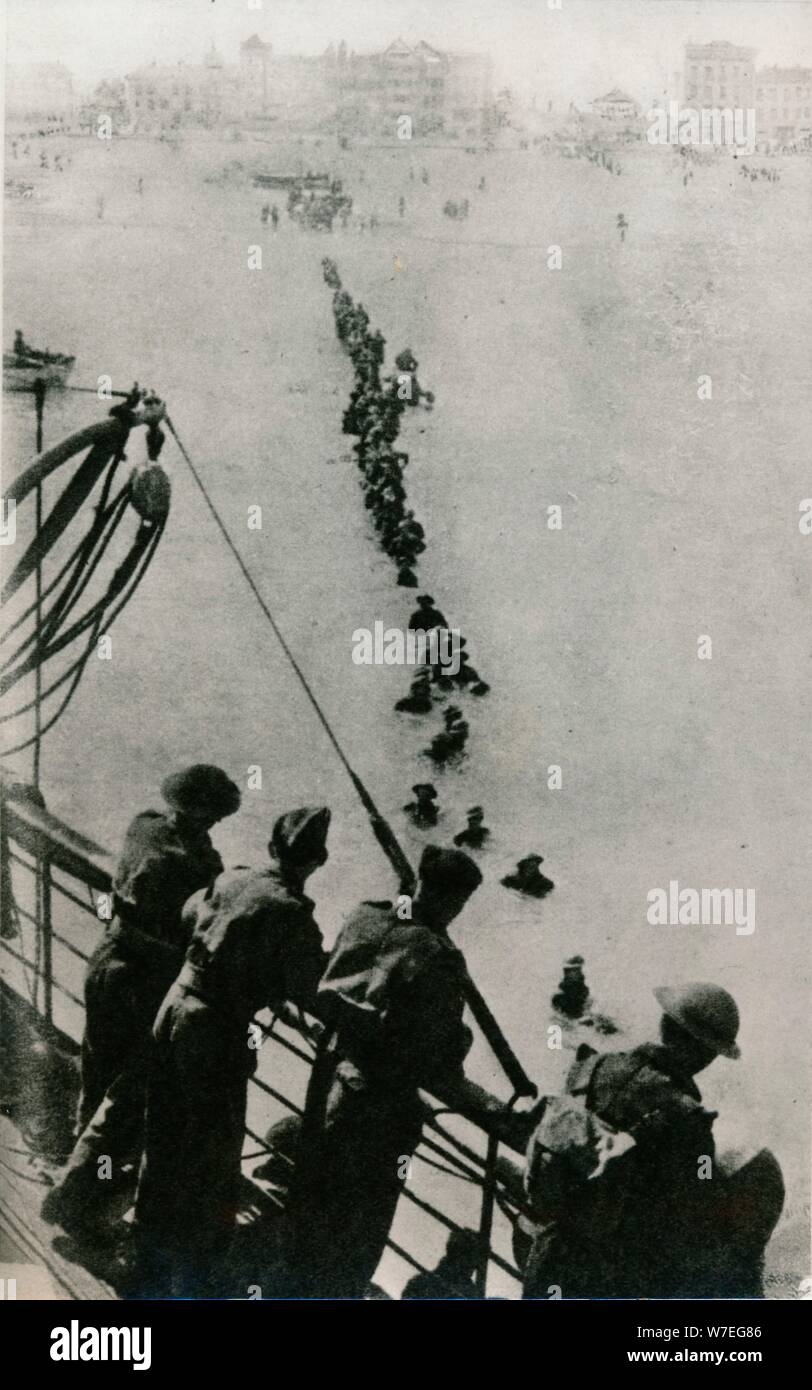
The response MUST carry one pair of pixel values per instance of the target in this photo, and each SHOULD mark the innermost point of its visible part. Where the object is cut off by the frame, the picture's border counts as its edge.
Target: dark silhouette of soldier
(394, 994)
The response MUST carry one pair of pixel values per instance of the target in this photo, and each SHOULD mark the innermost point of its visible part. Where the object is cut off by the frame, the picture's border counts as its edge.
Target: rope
(70, 596)
(47, 648)
(382, 831)
(76, 554)
(80, 664)
(249, 579)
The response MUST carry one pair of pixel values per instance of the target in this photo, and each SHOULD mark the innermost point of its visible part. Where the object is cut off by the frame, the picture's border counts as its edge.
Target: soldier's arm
(678, 1126)
(562, 1155)
(305, 961)
(440, 1038)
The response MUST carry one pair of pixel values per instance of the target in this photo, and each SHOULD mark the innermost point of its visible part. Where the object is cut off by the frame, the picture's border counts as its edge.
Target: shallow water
(575, 387)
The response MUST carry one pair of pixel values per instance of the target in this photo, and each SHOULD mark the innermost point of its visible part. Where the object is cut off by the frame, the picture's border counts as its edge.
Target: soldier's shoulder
(261, 889)
(369, 918)
(642, 1086)
(148, 827)
(371, 911)
(147, 818)
(237, 876)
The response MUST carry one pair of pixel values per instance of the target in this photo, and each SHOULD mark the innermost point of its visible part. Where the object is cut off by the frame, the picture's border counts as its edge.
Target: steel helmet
(301, 836)
(707, 1012)
(201, 788)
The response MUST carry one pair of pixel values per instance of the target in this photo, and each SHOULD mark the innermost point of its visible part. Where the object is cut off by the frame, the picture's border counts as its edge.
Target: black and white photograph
(405, 540)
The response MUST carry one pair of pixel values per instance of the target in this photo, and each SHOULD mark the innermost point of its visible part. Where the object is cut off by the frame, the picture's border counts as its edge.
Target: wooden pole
(39, 402)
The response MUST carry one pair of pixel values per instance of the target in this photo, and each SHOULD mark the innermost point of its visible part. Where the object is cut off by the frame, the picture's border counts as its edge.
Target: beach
(575, 388)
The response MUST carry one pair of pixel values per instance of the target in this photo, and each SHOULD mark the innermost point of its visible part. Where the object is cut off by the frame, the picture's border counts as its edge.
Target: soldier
(476, 832)
(412, 533)
(527, 879)
(395, 994)
(468, 676)
(638, 1226)
(453, 738)
(255, 945)
(407, 579)
(165, 859)
(423, 811)
(377, 344)
(418, 700)
(573, 992)
(406, 361)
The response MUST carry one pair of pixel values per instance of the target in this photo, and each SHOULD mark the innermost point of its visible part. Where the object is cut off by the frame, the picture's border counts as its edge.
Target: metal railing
(54, 901)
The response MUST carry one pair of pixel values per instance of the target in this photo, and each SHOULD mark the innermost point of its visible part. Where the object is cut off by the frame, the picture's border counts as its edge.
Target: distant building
(354, 93)
(440, 92)
(616, 106)
(720, 75)
(255, 62)
(784, 105)
(210, 94)
(468, 93)
(111, 101)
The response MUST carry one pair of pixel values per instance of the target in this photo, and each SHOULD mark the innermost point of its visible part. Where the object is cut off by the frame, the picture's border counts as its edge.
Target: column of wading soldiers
(373, 416)
(194, 951)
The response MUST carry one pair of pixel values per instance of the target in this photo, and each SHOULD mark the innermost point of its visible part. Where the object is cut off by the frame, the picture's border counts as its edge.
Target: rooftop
(776, 74)
(255, 42)
(618, 96)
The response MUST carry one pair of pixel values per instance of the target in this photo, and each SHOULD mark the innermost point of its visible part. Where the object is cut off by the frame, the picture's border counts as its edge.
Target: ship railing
(55, 896)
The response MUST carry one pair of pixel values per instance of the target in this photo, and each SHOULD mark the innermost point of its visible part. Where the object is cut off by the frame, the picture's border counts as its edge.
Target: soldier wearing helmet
(632, 1123)
(167, 856)
(394, 995)
(255, 944)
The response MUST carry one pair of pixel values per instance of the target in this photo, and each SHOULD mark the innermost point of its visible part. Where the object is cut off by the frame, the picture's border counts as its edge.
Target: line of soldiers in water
(429, 621)
(194, 951)
(374, 415)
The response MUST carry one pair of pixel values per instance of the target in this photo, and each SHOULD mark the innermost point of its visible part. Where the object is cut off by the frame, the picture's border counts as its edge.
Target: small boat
(24, 365)
(308, 180)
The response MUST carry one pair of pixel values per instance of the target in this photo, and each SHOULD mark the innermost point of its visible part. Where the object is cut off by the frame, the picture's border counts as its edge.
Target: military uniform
(393, 991)
(142, 951)
(127, 978)
(633, 1230)
(255, 944)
